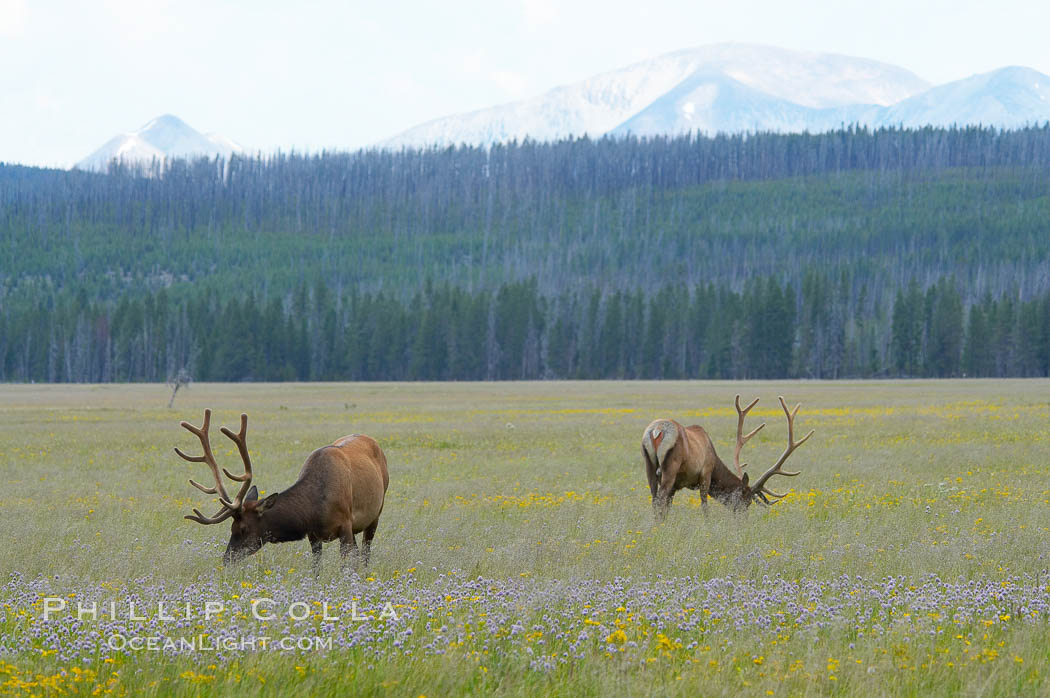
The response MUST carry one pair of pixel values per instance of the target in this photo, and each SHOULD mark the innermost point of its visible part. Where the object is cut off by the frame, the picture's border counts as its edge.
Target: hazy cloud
(142, 21)
(14, 15)
(514, 84)
(540, 12)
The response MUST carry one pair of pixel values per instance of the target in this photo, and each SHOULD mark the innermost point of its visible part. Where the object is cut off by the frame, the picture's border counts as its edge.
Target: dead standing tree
(181, 378)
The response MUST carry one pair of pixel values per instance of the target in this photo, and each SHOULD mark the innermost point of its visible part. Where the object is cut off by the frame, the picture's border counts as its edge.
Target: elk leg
(650, 473)
(315, 550)
(348, 547)
(366, 541)
(705, 486)
(662, 504)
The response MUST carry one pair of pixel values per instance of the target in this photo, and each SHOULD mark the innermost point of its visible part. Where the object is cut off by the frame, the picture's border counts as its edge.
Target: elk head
(247, 533)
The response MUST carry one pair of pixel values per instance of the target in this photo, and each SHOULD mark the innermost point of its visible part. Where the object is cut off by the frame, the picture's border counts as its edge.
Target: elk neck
(727, 488)
(286, 520)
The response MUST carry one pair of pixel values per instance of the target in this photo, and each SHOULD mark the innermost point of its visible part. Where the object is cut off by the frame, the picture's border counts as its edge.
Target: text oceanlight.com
(207, 643)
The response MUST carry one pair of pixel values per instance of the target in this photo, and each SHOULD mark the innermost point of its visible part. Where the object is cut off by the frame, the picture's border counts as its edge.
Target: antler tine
(758, 487)
(191, 459)
(196, 459)
(791, 424)
(221, 516)
(202, 488)
(763, 496)
(741, 440)
(240, 438)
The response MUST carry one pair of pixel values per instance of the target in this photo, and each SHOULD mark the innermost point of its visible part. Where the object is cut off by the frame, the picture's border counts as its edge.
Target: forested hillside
(854, 253)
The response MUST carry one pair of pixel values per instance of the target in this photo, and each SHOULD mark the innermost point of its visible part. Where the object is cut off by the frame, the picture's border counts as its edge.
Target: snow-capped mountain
(738, 87)
(164, 137)
(756, 86)
(724, 88)
(1007, 98)
(716, 103)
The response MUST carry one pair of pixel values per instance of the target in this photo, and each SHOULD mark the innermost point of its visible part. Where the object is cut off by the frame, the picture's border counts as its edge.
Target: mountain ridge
(720, 88)
(733, 88)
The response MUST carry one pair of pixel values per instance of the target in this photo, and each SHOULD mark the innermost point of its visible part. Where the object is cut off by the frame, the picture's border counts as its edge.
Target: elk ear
(267, 503)
(252, 495)
(743, 479)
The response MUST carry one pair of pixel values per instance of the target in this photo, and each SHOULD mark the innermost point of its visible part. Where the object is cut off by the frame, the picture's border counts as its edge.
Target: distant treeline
(765, 330)
(853, 253)
(623, 214)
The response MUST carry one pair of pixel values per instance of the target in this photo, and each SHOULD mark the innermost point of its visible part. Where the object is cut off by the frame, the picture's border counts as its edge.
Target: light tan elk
(678, 457)
(339, 493)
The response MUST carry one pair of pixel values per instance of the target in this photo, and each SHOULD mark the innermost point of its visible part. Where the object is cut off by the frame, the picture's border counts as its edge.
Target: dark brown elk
(678, 457)
(339, 493)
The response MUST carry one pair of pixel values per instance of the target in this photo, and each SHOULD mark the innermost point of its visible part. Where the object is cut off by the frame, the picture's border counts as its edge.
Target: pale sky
(314, 74)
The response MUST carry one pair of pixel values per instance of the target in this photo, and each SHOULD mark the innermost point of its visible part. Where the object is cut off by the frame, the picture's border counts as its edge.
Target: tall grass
(909, 557)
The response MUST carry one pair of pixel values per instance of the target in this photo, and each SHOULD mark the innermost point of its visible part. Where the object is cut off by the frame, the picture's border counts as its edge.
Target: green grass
(541, 486)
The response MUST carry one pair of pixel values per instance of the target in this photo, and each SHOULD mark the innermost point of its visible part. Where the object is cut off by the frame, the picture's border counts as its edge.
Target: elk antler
(758, 489)
(741, 440)
(229, 506)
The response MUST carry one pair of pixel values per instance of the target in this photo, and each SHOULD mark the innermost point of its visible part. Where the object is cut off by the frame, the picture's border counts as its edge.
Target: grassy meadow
(518, 548)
